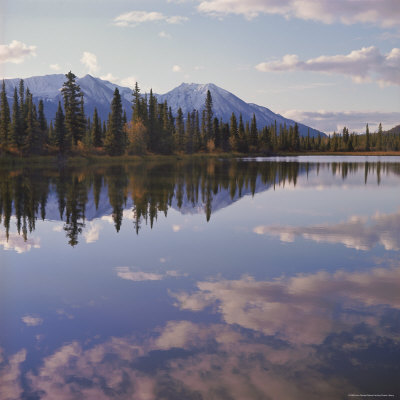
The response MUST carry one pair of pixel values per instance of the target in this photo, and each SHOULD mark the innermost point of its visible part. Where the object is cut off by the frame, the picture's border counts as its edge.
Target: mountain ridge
(187, 96)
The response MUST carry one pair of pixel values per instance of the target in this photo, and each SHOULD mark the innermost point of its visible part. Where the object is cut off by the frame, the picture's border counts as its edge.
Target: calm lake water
(245, 279)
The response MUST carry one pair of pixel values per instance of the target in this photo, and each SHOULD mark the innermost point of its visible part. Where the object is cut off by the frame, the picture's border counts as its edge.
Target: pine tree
(380, 136)
(242, 145)
(296, 137)
(180, 131)
(73, 106)
(62, 138)
(96, 130)
(189, 134)
(233, 133)
(137, 113)
(152, 123)
(16, 134)
(208, 108)
(367, 139)
(33, 135)
(114, 142)
(5, 119)
(253, 139)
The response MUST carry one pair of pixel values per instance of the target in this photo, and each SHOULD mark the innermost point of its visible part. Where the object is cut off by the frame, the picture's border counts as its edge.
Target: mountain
(394, 131)
(191, 96)
(98, 93)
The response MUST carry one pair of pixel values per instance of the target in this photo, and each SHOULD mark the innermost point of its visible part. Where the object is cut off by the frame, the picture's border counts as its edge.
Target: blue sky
(324, 63)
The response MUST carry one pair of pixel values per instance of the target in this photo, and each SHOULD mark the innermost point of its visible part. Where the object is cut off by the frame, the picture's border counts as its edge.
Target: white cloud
(129, 81)
(110, 77)
(89, 60)
(330, 121)
(176, 68)
(55, 67)
(134, 18)
(366, 64)
(140, 276)
(383, 12)
(164, 35)
(16, 52)
(31, 320)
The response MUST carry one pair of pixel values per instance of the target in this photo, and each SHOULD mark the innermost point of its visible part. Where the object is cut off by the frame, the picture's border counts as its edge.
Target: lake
(258, 278)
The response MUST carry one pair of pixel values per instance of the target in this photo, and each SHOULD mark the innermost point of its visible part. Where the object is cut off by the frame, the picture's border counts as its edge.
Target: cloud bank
(365, 65)
(358, 233)
(385, 13)
(16, 52)
(330, 121)
(135, 18)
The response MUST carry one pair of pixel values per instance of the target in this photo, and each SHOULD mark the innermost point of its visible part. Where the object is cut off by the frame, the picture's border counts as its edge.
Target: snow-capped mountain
(98, 93)
(190, 96)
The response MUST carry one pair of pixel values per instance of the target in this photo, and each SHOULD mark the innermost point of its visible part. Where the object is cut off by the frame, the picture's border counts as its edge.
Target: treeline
(148, 188)
(154, 129)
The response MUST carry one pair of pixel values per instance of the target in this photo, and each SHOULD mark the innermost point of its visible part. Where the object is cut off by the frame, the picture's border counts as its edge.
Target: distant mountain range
(98, 93)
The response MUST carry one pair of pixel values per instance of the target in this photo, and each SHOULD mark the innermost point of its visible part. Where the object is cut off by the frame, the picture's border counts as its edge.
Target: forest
(153, 129)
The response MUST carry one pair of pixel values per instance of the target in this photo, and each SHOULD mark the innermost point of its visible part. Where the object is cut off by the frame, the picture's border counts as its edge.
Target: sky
(323, 63)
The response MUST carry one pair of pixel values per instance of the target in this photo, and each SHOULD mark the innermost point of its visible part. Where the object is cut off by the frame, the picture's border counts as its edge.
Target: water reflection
(361, 233)
(76, 196)
(193, 309)
(278, 339)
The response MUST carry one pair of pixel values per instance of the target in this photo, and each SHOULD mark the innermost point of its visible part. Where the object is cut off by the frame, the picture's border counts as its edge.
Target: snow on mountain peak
(187, 96)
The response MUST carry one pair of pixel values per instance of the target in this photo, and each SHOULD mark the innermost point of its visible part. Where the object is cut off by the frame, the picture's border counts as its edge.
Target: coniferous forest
(24, 130)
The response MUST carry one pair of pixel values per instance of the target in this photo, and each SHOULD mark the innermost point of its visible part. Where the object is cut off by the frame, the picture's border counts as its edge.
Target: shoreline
(77, 160)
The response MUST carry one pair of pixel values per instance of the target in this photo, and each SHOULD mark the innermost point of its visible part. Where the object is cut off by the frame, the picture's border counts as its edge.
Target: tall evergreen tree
(114, 142)
(233, 133)
(380, 138)
(5, 119)
(137, 112)
(208, 108)
(16, 134)
(33, 135)
(253, 132)
(180, 131)
(96, 130)
(62, 138)
(367, 139)
(73, 106)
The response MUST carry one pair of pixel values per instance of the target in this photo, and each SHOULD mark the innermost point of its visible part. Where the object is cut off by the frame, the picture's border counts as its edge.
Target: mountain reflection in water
(194, 279)
(76, 196)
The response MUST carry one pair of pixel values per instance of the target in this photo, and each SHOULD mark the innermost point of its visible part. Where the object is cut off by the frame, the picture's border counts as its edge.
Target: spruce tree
(233, 133)
(114, 142)
(16, 134)
(96, 130)
(380, 137)
(367, 139)
(208, 108)
(180, 131)
(242, 144)
(62, 138)
(253, 139)
(73, 106)
(33, 135)
(137, 113)
(5, 119)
